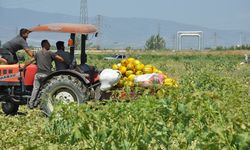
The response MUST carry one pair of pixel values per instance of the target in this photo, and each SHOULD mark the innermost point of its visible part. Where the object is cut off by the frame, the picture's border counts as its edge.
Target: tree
(155, 42)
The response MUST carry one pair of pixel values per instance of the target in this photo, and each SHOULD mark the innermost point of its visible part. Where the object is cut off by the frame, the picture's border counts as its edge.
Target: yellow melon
(122, 69)
(137, 62)
(115, 67)
(128, 73)
(169, 82)
(139, 67)
(130, 66)
(139, 72)
(131, 60)
(128, 83)
(148, 69)
(124, 62)
(131, 77)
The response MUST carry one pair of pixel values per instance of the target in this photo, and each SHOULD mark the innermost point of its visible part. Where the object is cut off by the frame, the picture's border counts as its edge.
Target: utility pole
(241, 39)
(244, 40)
(83, 37)
(174, 42)
(215, 40)
(99, 28)
(84, 12)
(159, 28)
(17, 30)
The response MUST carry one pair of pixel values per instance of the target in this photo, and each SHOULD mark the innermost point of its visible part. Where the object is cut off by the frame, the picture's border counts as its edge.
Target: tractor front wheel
(10, 108)
(62, 89)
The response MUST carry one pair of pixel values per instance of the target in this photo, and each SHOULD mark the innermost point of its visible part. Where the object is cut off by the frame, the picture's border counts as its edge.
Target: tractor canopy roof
(65, 28)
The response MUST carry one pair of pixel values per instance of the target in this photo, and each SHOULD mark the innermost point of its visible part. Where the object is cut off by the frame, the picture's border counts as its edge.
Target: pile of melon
(131, 67)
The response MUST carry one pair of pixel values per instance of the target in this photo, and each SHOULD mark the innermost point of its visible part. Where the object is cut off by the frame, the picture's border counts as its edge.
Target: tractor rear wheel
(62, 89)
(10, 108)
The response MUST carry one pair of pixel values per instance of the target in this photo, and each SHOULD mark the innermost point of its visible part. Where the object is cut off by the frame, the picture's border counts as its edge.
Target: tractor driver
(65, 55)
(9, 49)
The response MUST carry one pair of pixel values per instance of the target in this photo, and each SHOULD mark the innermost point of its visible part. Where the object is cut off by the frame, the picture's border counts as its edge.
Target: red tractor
(77, 84)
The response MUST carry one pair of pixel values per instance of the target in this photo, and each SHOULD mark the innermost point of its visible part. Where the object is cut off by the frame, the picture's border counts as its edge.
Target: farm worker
(65, 55)
(43, 59)
(9, 49)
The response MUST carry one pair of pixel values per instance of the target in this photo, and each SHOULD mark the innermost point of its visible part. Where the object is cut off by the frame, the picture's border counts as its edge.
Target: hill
(115, 32)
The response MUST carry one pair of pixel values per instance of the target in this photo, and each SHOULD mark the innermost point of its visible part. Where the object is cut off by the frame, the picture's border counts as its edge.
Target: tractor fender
(80, 76)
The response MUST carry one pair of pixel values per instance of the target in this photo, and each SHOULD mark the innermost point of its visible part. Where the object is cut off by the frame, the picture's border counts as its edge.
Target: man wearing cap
(9, 49)
(65, 55)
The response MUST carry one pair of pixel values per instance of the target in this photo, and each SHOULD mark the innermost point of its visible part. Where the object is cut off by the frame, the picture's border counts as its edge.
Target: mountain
(115, 32)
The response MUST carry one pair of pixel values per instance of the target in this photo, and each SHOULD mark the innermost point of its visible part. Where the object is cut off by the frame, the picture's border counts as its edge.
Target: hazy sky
(221, 14)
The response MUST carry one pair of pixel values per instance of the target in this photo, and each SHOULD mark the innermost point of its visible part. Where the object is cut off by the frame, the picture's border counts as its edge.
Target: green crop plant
(210, 109)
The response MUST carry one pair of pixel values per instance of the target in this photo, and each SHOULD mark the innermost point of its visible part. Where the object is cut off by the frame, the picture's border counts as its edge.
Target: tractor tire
(10, 108)
(62, 89)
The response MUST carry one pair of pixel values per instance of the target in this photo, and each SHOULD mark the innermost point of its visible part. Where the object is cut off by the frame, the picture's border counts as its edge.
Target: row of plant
(210, 109)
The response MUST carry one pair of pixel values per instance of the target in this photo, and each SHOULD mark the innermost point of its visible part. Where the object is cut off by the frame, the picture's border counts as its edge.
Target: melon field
(210, 109)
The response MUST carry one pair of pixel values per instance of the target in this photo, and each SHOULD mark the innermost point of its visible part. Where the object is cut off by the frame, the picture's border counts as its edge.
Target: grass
(209, 110)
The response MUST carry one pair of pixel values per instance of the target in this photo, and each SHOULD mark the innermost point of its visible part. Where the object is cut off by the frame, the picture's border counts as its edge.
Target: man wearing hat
(9, 49)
